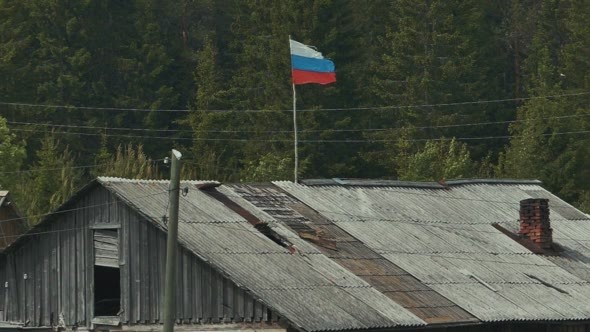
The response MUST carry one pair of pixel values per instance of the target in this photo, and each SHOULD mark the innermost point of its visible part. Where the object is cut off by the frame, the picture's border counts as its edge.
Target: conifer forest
(426, 90)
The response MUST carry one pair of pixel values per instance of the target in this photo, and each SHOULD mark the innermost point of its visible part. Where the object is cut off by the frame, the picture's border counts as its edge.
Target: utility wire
(61, 168)
(51, 169)
(359, 218)
(376, 108)
(53, 125)
(388, 251)
(78, 209)
(459, 125)
(254, 231)
(247, 140)
(415, 194)
(444, 255)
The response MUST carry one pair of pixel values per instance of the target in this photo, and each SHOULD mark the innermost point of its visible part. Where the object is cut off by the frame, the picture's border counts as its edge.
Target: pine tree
(128, 162)
(12, 155)
(439, 160)
(50, 182)
(538, 148)
(438, 52)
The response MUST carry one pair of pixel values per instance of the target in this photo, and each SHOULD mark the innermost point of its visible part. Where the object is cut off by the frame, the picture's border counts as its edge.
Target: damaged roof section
(353, 255)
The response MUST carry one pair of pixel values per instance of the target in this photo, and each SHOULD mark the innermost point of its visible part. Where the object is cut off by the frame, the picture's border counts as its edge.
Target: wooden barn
(320, 255)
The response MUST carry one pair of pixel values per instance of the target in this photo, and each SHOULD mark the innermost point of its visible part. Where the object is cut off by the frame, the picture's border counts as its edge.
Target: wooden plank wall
(59, 268)
(58, 265)
(106, 248)
(203, 295)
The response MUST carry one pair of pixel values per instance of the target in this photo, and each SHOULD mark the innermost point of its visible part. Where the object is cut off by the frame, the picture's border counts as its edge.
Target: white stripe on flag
(300, 49)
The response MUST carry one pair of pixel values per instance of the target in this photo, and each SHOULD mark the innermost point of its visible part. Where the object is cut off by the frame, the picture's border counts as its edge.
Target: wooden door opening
(107, 291)
(107, 278)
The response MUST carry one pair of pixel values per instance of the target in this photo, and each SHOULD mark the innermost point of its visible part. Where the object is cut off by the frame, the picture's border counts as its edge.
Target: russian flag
(310, 66)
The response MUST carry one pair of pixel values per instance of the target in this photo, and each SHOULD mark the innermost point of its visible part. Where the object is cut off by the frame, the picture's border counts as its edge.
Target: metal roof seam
(453, 252)
(258, 253)
(313, 287)
(505, 283)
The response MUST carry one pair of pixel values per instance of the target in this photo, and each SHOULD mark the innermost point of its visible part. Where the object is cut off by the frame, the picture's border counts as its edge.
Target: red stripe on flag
(304, 77)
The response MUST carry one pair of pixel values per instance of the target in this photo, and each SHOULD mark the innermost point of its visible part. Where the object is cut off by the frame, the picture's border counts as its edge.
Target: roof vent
(534, 222)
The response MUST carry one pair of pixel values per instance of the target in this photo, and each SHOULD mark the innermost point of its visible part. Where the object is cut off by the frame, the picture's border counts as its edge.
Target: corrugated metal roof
(267, 201)
(309, 289)
(444, 238)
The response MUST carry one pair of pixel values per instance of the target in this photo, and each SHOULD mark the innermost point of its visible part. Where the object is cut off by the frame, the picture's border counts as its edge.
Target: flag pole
(295, 168)
(321, 72)
(295, 133)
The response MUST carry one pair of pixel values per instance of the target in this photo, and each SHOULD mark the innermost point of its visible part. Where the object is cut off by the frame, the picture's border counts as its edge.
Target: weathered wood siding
(58, 264)
(59, 268)
(106, 247)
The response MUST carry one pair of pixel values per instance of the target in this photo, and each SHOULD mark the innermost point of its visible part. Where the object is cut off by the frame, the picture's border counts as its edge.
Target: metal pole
(295, 171)
(295, 133)
(169, 314)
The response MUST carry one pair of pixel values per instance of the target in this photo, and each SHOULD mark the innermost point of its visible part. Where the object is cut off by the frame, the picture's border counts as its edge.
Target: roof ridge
(112, 179)
(359, 182)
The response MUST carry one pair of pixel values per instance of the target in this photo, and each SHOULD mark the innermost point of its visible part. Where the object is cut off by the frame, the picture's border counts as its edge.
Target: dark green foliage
(49, 182)
(12, 155)
(438, 160)
(555, 66)
(127, 162)
(208, 55)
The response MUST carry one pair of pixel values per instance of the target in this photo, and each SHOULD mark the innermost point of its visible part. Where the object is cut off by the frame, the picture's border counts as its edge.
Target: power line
(53, 125)
(52, 169)
(361, 217)
(61, 168)
(382, 251)
(78, 209)
(247, 140)
(378, 251)
(376, 108)
(219, 224)
(155, 137)
(453, 104)
(302, 131)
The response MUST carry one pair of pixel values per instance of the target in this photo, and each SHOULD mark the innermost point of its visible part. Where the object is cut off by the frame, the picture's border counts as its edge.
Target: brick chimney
(534, 222)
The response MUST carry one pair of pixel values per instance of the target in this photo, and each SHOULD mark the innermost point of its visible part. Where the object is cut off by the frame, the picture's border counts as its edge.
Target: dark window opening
(107, 291)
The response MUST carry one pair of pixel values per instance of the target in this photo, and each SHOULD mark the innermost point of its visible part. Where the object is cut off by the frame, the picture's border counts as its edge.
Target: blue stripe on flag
(310, 64)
